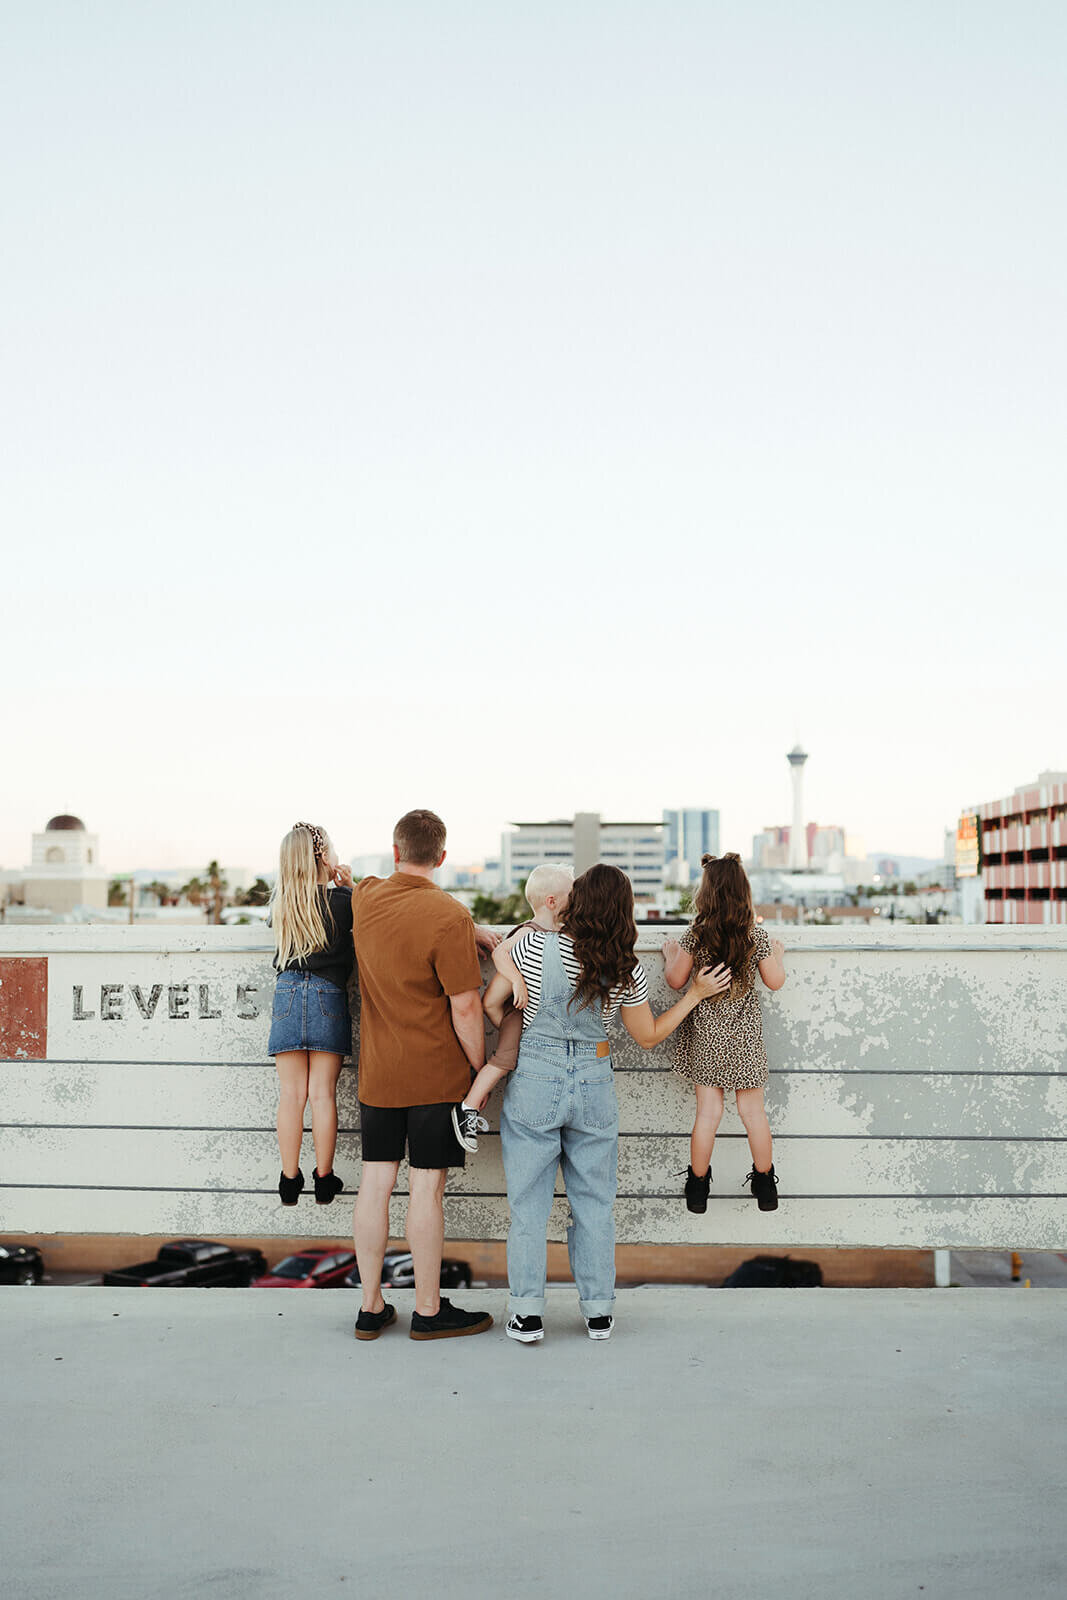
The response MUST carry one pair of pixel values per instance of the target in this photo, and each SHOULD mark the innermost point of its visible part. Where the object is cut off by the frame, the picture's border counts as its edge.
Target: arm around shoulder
(648, 1030)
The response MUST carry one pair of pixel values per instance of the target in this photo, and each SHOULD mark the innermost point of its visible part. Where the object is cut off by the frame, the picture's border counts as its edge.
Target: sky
(517, 410)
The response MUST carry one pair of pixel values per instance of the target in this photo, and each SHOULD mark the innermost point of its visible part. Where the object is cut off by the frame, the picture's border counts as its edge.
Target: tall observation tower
(798, 839)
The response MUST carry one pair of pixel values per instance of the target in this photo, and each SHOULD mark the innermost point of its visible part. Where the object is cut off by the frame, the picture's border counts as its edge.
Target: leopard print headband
(318, 838)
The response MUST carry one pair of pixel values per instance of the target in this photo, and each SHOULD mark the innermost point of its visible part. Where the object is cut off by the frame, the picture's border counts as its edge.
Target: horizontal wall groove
(493, 1133)
(496, 1194)
(620, 1071)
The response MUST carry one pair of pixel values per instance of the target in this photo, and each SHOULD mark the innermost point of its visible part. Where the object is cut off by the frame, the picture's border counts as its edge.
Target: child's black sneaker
(527, 1330)
(468, 1124)
(764, 1188)
(289, 1188)
(327, 1187)
(696, 1190)
(599, 1327)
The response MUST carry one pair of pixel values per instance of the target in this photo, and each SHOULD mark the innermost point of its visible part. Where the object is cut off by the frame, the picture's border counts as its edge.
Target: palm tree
(257, 895)
(162, 891)
(193, 891)
(116, 892)
(217, 886)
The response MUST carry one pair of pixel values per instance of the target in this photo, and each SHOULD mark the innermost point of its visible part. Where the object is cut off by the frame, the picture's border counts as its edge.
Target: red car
(310, 1269)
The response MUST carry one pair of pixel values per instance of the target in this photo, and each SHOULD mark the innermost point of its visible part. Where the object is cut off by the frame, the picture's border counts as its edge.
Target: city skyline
(176, 853)
(523, 412)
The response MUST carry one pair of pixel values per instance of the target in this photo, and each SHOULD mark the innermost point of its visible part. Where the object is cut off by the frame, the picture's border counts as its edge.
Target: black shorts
(427, 1132)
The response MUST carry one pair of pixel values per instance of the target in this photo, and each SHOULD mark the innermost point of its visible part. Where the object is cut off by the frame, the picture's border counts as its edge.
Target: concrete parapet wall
(918, 1096)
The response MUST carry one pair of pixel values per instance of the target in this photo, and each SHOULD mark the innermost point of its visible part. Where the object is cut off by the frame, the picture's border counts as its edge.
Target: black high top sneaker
(696, 1189)
(764, 1188)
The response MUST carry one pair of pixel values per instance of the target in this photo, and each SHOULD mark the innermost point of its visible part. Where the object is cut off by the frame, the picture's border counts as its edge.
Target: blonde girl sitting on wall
(310, 1031)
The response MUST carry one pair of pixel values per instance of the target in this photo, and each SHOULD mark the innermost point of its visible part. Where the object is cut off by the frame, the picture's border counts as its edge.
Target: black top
(334, 961)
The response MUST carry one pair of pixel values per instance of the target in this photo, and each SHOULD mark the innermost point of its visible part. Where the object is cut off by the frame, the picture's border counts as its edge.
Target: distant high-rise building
(688, 835)
(826, 843)
(770, 849)
(826, 847)
(635, 847)
(1017, 849)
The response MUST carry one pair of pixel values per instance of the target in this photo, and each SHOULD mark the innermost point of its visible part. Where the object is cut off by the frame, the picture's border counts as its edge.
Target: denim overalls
(560, 1107)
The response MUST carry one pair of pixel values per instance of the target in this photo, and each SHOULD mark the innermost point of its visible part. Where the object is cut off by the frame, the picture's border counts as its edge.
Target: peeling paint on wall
(23, 1007)
(918, 1097)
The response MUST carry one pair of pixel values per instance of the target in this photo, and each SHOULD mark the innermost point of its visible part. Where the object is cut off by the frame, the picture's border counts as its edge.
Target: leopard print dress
(721, 1042)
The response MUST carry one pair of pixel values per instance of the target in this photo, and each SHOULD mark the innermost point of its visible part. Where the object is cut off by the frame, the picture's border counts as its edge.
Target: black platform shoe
(326, 1187)
(696, 1189)
(289, 1188)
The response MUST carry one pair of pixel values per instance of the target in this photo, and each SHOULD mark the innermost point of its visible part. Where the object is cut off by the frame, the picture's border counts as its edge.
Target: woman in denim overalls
(559, 1105)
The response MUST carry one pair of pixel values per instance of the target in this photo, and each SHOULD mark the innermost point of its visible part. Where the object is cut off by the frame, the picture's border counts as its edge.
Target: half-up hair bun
(318, 838)
(707, 861)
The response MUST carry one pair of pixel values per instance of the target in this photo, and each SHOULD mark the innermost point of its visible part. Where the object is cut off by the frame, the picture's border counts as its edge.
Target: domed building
(65, 842)
(64, 872)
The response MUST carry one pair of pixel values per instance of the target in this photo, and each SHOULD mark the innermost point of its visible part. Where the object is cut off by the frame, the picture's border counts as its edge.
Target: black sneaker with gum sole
(449, 1323)
(369, 1324)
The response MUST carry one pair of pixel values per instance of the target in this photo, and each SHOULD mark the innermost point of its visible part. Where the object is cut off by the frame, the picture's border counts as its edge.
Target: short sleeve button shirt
(414, 948)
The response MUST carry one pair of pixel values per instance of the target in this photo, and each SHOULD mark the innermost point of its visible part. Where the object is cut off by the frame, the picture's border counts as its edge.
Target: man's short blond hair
(551, 877)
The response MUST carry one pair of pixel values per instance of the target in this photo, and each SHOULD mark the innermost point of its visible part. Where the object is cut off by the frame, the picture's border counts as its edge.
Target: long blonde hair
(299, 908)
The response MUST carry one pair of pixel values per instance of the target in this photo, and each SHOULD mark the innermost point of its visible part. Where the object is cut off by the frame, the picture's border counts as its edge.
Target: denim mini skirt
(309, 1013)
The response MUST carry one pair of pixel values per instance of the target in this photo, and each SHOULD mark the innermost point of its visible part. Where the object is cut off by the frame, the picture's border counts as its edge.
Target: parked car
(309, 1269)
(197, 1263)
(398, 1272)
(774, 1272)
(21, 1263)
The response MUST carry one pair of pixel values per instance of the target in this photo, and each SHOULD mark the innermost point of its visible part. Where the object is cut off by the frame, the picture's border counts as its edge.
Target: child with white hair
(547, 890)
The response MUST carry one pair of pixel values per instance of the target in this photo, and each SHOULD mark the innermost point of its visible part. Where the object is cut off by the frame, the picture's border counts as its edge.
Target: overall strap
(558, 1011)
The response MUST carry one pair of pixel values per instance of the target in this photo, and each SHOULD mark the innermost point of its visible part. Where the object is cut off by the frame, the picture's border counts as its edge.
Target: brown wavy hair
(599, 921)
(725, 918)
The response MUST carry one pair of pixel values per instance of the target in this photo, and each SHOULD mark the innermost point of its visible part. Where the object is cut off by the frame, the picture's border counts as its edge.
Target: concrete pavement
(241, 1445)
(991, 1269)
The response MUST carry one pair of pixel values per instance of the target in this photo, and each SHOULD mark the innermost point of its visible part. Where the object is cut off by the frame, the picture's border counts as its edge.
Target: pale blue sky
(521, 409)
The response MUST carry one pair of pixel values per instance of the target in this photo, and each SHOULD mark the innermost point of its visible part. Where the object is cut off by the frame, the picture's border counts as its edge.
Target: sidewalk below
(168, 1445)
(991, 1269)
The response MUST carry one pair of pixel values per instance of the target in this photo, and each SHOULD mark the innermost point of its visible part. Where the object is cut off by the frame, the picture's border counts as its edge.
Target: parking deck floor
(241, 1445)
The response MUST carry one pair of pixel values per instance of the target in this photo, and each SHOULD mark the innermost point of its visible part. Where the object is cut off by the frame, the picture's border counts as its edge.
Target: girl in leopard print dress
(720, 1045)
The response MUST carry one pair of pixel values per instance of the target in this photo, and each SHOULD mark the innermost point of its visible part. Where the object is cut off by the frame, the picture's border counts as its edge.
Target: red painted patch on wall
(23, 1008)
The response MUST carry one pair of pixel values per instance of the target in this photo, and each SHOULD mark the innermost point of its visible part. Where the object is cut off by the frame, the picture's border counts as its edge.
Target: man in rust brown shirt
(420, 1034)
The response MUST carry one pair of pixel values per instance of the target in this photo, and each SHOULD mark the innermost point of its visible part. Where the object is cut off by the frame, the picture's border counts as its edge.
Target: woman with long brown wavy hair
(721, 1045)
(559, 1106)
